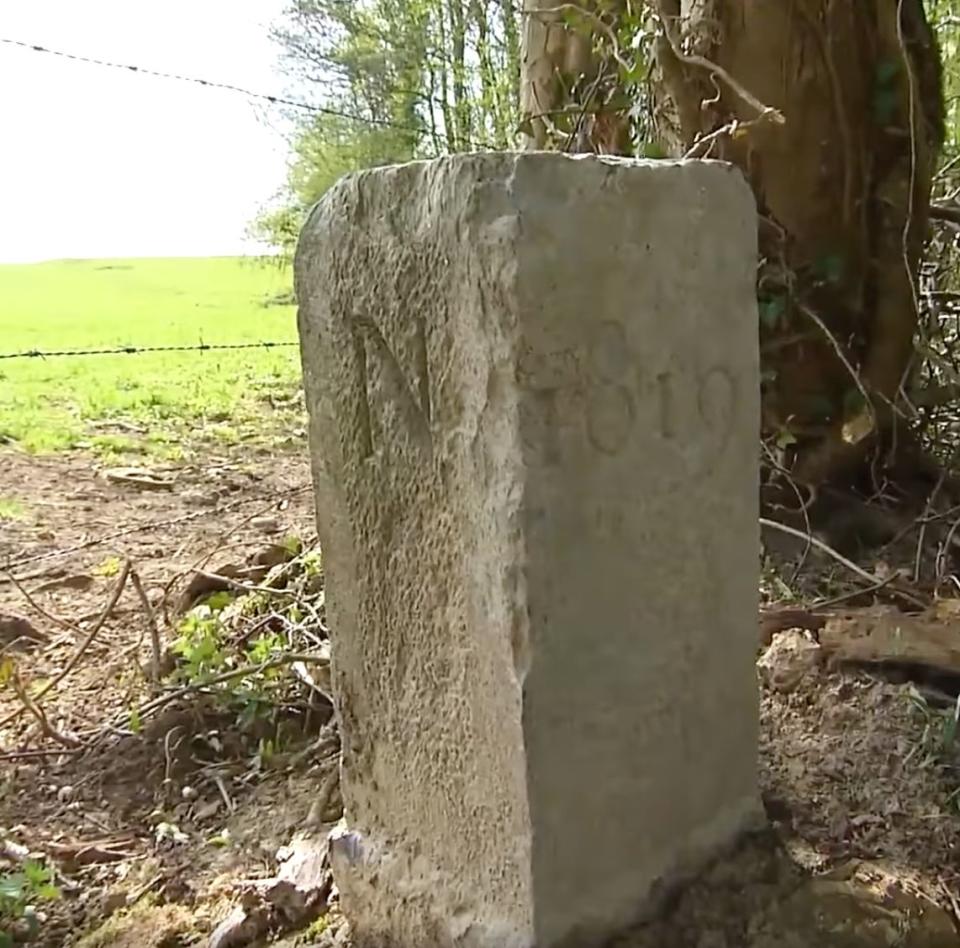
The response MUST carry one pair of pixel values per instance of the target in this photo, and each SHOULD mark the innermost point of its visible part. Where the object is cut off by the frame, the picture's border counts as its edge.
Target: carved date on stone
(690, 409)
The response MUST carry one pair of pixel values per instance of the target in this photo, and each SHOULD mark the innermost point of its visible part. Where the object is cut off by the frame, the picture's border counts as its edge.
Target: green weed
(20, 892)
(11, 509)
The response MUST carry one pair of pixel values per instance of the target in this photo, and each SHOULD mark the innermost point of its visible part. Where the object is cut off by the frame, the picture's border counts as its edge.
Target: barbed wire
(19, 563)
(138, 350)
(229, 87)
(208, 83)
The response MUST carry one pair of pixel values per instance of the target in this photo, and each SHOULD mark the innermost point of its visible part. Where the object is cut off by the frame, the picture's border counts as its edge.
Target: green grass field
(158, 402)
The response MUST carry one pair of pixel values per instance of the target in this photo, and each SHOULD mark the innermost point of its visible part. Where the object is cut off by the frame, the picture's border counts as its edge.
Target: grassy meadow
(155, 403)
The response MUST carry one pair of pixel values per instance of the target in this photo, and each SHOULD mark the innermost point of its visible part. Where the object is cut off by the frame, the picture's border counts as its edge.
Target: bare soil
(150, 833)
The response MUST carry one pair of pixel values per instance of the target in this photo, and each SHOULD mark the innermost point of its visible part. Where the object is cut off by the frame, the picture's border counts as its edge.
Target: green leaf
(785, 438)
(35, 872)
(47, 893)
(772, 310)
(829, 268)
(12, 886)
(109, 567)
(653, 150)
(292, 544)
(219, 600)
(6, 940)
(135, 722)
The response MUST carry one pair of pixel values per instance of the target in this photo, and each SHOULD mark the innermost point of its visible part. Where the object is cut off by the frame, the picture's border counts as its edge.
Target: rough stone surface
(533, 389)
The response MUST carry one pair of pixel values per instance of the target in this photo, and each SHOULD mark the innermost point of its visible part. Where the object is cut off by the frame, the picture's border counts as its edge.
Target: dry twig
(84, 645)
(151, 625)
(871, 578)
(48, 729)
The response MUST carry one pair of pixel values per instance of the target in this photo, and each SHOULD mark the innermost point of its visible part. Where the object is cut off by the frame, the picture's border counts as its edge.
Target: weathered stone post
(533, 392)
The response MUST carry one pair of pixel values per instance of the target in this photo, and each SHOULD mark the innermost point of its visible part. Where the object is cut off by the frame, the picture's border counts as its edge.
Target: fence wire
(230, 87)
(138, 350)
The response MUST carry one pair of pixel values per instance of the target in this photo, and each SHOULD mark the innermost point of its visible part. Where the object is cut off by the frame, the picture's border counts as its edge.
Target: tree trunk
(833, 110)
(568, 87)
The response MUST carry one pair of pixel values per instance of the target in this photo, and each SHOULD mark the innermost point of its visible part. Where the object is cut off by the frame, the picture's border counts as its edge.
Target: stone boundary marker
(534, 407)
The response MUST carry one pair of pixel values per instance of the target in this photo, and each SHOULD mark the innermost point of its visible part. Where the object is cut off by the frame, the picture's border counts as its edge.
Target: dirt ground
(150, 837)
(100, 810)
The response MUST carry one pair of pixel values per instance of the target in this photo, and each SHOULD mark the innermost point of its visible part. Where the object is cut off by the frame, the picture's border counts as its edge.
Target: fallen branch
(773, 621)
(884, 635)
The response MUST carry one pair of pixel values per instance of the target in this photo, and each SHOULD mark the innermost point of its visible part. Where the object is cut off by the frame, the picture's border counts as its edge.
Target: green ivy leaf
(12, 886)
(829, 268)
(772, 310)
(785, 438)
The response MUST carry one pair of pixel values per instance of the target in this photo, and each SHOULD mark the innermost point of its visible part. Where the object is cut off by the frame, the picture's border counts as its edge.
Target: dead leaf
(139, 477)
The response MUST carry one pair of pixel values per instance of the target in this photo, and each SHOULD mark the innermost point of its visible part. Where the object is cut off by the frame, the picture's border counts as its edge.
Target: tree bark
(842, 185)
(567, 84)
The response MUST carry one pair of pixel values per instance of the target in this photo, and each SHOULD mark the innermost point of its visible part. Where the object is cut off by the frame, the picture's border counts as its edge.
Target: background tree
(409, 79)
(836, 114)
(840, 115)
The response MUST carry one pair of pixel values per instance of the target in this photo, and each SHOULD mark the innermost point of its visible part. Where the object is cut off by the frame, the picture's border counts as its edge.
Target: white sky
(98, 162)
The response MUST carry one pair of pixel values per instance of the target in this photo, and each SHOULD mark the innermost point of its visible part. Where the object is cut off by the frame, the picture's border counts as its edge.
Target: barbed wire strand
(228, 87)
(209, 83)
(138, 350)
(19, 563)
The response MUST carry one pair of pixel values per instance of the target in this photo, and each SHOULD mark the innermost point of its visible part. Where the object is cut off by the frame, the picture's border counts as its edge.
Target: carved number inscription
(692, 410)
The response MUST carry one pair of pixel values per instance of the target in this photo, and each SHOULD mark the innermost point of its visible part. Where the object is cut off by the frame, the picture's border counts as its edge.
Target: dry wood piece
(773, 621)
(88, 852)
(294, 896)
(883, 634)
(139, 477)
